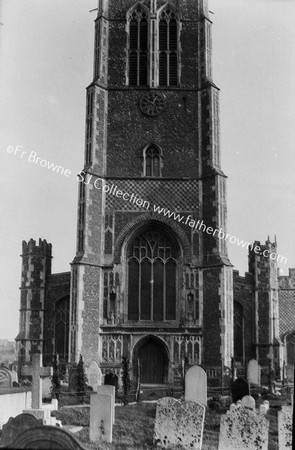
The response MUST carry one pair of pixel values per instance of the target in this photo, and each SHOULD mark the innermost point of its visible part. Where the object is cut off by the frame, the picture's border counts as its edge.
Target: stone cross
(36, 371)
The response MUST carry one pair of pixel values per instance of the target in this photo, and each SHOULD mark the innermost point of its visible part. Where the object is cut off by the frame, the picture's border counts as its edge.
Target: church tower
(151, 277)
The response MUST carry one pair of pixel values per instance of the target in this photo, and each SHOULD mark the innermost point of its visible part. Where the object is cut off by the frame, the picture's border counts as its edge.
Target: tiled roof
(287, 310)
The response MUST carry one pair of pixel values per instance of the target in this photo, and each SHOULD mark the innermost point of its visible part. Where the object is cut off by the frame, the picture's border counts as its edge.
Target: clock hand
(150, 102)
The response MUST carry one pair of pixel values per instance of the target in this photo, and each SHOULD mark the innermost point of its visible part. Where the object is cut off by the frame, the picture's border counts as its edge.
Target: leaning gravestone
(242, 428)
(94, 375)
(285, 427)
(239, 389)
(254, 372)
(101, 418)
(47, 437)
(5, 378)
(179, 423)
(196, 385)
(16, 426)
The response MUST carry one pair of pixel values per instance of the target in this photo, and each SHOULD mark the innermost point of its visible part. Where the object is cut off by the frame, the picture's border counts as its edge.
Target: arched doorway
(150, 357)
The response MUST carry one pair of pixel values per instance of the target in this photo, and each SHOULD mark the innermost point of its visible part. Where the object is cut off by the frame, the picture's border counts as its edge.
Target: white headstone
(248, 402)
(262, 409)
(179, 423)
(243, 429)
(196, 385)
(254, 372)
(110, 390)
(285, 427)
(101, 418)
(266, 403)
(94, 375)
(14, 376)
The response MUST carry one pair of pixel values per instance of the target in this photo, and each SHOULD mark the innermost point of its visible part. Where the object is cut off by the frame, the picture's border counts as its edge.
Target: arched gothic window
(138, 47)
(239, 332)
(152, 269)
(168, 48)
(62, 328)
(152, 162)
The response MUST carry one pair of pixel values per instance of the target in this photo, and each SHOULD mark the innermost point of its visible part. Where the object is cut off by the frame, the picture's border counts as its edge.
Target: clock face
(151, 104)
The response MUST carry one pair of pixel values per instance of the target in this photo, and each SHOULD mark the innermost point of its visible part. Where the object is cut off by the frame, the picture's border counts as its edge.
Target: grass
(134, 427)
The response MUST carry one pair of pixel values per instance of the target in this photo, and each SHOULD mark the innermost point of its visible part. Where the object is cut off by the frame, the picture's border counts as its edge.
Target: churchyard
(193, 421)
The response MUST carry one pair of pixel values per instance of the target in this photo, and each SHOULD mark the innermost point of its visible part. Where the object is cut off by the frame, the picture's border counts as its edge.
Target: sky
(46, 52)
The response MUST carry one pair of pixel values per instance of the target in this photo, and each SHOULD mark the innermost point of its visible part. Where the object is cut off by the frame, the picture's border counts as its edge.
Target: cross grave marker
(37, 371)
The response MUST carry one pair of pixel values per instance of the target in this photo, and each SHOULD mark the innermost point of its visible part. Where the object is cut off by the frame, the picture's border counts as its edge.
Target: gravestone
(94, 375)
(254, 372)
(179, 423)
(196, 385)
(263, 409)
(5, 378)
(242, 428)
(101, 418)
(16, 426)
(285, 427)
(248, 402)
(110, 390)
(14, 377)
(36, 371)
(239, 389)
(47, 437)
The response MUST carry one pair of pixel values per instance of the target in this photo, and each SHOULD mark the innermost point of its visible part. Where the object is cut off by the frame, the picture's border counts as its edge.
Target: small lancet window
(152, 162)
(168, 48)
(138, 48)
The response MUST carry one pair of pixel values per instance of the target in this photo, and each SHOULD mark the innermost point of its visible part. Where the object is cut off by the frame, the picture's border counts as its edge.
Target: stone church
(144, 282)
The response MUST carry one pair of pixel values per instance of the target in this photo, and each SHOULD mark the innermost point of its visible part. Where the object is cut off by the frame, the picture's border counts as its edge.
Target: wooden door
(152, 364)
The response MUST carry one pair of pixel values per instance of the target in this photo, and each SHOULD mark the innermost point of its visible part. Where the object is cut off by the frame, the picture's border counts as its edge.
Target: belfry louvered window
(138, 48)
(168, 48)
(152, 269)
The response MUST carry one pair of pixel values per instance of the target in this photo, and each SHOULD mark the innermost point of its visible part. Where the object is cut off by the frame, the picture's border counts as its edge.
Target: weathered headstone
(285, 427)
(101, 418)
(36, 371)
(110, 390)
(239, 389)
(47, 437)
(94, 375)
(254, 372)
(16, 426)
(196, 385)
(5, 378)
(179, 423)
(242, 428)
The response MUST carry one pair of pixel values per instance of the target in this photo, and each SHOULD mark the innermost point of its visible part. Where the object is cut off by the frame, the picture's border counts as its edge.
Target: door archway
(151, 360)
